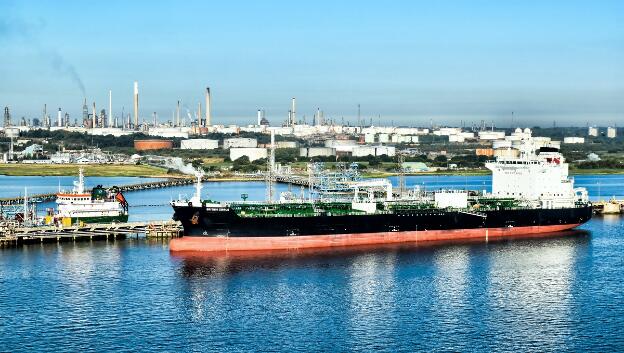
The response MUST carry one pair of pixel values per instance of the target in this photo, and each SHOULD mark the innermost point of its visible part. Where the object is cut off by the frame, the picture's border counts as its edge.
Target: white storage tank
(384, 138)
(389, 151)
(456, 138)
(252, 153)
(363, 151)
(287, 144)
(199, 144)
(501, 144)
(317, 152)
(240, 142)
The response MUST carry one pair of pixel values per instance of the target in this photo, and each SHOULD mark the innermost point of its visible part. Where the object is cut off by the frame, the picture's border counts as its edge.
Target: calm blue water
(564, 293)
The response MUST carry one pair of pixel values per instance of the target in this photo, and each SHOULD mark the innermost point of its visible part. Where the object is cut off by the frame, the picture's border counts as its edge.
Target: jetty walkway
(12, 234)
(171, 182)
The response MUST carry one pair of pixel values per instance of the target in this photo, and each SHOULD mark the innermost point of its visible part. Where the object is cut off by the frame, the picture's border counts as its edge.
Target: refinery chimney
(110, 108)
(178, 114)
(199, 115)
(59, 118)
(136, 104)
(94, 117)
(207, 121)
(293, 116)
(259, 117)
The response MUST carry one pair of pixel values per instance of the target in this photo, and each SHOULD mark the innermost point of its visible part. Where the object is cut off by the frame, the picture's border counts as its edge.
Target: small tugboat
(98, 206)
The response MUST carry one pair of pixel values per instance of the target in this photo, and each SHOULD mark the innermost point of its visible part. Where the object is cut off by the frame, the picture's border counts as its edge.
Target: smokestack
(178, 114)
(199, 114)
(293, 114)
(110, 108)
(207, 121)
(136, 104)
(318, 116)
(259, 117)
(59, 118)
(94, 117)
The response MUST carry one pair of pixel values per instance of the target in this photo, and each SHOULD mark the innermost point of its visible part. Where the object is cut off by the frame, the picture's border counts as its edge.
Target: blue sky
(408, 61)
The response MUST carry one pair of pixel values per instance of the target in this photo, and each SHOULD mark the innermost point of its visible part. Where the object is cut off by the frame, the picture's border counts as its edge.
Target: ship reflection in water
(401, 296)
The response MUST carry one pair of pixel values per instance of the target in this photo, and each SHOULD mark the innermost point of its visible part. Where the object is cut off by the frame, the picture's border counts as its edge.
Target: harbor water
(561, 293)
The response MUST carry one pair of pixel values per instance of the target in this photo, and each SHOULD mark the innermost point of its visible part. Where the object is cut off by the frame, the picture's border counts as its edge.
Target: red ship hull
(214, 244)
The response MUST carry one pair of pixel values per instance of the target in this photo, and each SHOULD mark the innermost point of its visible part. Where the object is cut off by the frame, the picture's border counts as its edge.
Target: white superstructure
(538, 176)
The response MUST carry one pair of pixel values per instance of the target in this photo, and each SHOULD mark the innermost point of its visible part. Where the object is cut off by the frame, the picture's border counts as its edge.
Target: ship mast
(270, 169)
(401, 160)
(79, 185)
(198, 186)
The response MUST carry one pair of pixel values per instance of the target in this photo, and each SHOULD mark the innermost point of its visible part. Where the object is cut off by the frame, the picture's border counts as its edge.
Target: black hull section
(198, 221)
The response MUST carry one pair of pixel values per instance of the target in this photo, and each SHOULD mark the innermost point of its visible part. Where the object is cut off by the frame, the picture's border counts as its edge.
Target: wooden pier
(11, 235)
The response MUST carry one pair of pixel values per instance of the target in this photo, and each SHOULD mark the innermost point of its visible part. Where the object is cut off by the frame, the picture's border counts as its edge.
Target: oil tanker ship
(531, 194)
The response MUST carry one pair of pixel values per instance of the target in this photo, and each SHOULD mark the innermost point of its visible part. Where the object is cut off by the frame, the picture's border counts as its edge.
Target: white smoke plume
(178, 164)
(28, 33)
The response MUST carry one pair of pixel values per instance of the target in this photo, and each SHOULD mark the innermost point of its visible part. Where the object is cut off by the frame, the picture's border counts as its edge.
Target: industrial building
(572, 140)
(199, 144)
(252, 153)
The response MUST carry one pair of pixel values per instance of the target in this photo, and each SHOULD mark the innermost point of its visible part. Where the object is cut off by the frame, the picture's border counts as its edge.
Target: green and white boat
(98, 206)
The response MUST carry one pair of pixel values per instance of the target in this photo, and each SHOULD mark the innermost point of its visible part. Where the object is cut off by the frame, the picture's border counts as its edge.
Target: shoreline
(90, 170)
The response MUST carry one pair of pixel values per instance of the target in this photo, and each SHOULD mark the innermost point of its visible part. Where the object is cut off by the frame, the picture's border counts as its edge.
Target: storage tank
(506, 153)
(239, 142)
(363, 151)
(146, 145)
(484, 152)
(317, 152)
(501, 144)
(252, 153)
(199, 144)
(287, 144)
(389, 151)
